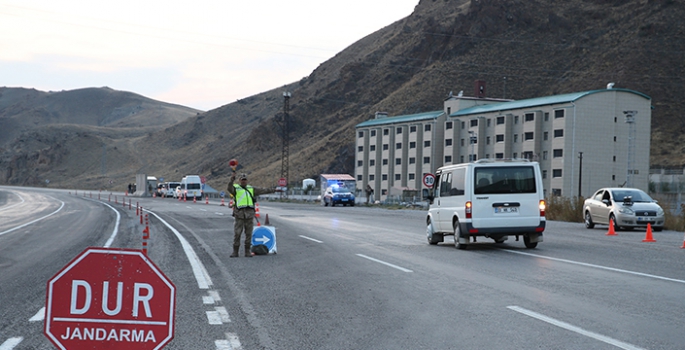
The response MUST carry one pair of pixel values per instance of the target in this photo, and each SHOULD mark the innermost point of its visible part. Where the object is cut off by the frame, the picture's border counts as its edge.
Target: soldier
(244, 211)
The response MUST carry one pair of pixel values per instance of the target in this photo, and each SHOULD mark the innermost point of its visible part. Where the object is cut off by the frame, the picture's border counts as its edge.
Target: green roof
(538, 101)
(401, 119)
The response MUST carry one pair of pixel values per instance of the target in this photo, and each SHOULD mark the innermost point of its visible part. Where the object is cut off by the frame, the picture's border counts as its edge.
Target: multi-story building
(583, 140)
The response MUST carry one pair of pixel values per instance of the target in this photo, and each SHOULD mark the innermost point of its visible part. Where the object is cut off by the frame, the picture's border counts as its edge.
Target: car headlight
(626, 210)
(659, 211)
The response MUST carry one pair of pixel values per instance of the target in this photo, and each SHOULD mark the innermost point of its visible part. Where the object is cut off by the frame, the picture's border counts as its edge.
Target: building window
(398, 177)
(384, 177)
(398, 145)
(544, 174)
(499, 155)
(448, 142)
(361, 134)
(412, 144)
(487, 140)
(559, 133)
(528, 155)
(472, 158)
(559, 113)
(373, 132)
(461, 159)
(530, 117)
(546, 116)
(448, 159)
(384, 192)
(557, 153)
(463, 125)
(385, 146)
(359, 177)
(372, 177)
(412, 176)
(398, 161)
(398, 131)
(614, 159)
(360, 163)
(529, 136)
(386, 131)
(412, 160)
(516, 119)
(372, 162)
(500, 120)
(515, 155)
(360, 149)
(448, 126)
(545, 135)
(556, 192)
(412, 128)
(426, 127)
(426, 160)
(489, 120)
(427, 143)
(556, 172)
(385, 161)
(544, 155)
(372, 148)
(499, 138)
(474, 122)
(462, 142)
(516, 137)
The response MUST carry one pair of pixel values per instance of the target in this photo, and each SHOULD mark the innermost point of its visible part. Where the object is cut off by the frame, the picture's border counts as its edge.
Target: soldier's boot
(248, 253)
(235, 252)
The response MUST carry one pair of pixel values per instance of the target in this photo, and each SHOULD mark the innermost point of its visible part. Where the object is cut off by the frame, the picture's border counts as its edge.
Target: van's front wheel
(457, 234)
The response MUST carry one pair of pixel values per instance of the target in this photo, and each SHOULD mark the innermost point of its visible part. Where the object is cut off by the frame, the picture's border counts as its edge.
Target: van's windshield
(513, 179)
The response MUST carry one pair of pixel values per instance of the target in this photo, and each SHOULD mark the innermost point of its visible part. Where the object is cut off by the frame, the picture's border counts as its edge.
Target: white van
(191, 187)
(493, 199)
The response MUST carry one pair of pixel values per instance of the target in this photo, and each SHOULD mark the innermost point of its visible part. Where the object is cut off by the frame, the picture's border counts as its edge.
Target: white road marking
(39, 316)
(231, 343)
(223, 313)
(10, 343)
(311, 239)
(199, 270)
(575, 329)
(207, 300)
(385, 263)
(215, 295)
(597, 266)
(34, 221)
(214, 318)
(217, 213)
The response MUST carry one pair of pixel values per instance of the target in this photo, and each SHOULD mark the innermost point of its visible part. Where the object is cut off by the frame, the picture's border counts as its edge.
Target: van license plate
(506, 210)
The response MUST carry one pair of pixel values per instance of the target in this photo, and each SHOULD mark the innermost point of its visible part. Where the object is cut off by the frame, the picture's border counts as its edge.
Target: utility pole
(285, 152)
(580, 173)
(630, 120)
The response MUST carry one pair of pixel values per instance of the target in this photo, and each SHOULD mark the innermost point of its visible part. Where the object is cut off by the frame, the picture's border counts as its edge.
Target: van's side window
(458, 182)
(445, 184)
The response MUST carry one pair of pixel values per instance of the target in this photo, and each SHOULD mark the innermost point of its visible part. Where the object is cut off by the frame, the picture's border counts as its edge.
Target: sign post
(110, 298)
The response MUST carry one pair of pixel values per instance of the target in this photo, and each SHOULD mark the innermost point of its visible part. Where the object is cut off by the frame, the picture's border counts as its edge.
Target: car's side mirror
(606, 202)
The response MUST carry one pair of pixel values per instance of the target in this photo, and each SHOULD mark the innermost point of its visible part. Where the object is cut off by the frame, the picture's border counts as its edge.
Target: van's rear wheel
(457, 233)
(528, 243)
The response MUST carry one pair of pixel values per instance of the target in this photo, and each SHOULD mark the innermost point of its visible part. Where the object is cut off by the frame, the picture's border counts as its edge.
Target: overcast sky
(202, 54)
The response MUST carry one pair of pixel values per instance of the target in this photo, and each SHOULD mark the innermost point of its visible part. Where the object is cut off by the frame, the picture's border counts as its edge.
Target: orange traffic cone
(266, 222)
(223, 204)
(207, 200)
(256, 210)
(194, 199)
(648, 237)
(683, 247)
(611, 232)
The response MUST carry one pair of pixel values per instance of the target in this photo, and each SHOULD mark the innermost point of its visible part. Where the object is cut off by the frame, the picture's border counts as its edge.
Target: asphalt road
(352, 278)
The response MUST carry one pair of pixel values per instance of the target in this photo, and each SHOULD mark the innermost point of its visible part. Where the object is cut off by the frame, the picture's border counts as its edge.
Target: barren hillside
(521, 48)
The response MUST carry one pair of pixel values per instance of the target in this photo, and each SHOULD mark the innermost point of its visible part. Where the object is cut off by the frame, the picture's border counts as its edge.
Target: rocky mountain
(521, 48)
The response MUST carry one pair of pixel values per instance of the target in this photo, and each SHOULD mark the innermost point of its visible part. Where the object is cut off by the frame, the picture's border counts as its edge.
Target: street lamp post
(580, 173)
(630, 120)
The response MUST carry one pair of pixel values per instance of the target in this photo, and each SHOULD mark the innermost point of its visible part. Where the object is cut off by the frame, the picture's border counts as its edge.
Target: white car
(171, 189)
(628, 208)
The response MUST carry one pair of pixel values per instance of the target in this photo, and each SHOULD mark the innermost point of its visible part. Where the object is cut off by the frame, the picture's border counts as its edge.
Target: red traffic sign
(203, 180)
(282, 182)
(109, 298)
(429, 180)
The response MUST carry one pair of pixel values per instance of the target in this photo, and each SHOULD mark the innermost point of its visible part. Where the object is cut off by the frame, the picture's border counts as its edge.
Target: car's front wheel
(588, 220)
(612, 221)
